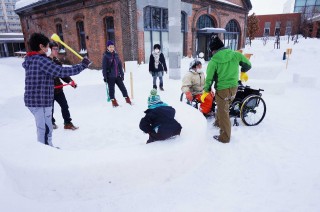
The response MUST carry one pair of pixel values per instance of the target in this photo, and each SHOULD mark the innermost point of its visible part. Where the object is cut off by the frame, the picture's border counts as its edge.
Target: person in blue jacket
(40, 72)
(159, 120)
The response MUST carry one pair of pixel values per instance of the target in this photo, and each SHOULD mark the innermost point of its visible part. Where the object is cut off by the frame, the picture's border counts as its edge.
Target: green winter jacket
(223, 69)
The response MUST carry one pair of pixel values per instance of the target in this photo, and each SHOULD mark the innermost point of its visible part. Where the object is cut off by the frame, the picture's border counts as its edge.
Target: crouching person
(159, 120)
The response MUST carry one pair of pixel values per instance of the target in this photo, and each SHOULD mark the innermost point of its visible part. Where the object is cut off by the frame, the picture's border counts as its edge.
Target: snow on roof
(23, 3)
(12, 33)
(212, 30)
(227, 2)
(315, 18)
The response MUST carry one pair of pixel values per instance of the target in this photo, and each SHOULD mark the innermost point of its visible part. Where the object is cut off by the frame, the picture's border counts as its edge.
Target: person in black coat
(157, 65)
(113, 73)
(159, 120)
(59, 96)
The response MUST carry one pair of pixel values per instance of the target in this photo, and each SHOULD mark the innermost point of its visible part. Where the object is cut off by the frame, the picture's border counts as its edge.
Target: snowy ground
(106, 165)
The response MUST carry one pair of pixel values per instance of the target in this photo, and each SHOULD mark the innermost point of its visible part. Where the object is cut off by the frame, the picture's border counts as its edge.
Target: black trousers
(60, 98)
(116, 81)
(162, 136)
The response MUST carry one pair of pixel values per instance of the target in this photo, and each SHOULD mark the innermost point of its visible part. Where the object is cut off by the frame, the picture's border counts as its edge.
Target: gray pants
(43, 116)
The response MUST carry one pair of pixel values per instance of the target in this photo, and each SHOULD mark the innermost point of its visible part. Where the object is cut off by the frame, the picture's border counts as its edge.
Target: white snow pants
(43, 116)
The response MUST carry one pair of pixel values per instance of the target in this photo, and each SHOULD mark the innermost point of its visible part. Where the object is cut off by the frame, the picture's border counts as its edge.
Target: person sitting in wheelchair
(193, 84)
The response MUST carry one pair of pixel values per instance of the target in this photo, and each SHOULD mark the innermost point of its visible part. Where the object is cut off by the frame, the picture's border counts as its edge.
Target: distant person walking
(157, 65)
(40, 72)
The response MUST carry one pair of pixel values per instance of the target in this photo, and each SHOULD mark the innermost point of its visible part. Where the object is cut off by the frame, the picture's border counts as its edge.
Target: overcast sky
(262, 7)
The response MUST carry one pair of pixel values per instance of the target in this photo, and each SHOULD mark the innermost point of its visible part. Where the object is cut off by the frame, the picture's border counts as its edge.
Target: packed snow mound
(92, 158)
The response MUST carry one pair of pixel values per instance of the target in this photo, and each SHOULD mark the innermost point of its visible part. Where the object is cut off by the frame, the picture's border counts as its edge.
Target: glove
(105, 80)
(204, 95)
(244, 76)
(86, 62)
(122, 77)
(189, 96)
(73, 84)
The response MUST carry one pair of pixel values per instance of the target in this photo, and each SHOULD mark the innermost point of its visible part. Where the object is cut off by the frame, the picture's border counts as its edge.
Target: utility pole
(174, 7)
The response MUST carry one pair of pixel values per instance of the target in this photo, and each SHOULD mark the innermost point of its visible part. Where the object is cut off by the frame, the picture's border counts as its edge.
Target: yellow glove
(204, 95)
(244, 77)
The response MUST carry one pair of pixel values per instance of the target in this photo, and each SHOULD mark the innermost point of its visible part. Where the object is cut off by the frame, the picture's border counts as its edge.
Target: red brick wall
(94, 27)
(315, 28)
(283, 18)
(129, 41)
(221, 16)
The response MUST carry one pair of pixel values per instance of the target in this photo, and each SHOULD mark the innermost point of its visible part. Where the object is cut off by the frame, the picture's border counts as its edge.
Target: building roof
(210, 30)
(22, 5)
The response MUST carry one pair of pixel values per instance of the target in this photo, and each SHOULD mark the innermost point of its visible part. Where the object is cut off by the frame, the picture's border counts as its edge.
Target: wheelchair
(248, 105)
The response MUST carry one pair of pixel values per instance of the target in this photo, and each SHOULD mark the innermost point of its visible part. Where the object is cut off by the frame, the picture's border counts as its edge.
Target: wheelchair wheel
(253, 110)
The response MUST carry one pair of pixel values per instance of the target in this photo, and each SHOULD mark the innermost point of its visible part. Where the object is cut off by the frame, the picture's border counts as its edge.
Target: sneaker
(155, 86)
(54, 126)
(114, 103)
(161, 88)
(217, 138)
(70, 126)
(128, 101)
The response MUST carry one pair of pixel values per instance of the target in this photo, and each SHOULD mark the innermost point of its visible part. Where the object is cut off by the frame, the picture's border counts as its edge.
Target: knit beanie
(215, 43)
(154, 100)
(153, 92)
(110, 42)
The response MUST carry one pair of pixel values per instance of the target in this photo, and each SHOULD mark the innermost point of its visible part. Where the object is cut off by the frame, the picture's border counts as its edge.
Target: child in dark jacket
(157, 65)
(113, 73)
(159, 120)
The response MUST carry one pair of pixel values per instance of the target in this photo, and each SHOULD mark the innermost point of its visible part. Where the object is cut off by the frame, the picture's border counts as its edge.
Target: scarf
(156, 58)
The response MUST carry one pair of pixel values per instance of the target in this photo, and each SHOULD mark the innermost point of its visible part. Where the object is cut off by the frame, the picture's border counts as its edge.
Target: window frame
(81, 35)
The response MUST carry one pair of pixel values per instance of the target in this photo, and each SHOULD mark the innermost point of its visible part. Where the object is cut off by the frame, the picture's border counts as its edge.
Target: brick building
(270, 25)
(134, 25)
(315, 32)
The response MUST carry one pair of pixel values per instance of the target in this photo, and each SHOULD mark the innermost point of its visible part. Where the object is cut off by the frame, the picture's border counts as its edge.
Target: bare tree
(252, 27)
(307, 14)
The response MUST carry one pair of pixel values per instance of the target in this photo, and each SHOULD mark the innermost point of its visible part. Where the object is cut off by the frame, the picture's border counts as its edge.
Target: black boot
(161, 87)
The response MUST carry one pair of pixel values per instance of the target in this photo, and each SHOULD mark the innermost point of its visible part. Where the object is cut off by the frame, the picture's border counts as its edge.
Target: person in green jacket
(223, 70)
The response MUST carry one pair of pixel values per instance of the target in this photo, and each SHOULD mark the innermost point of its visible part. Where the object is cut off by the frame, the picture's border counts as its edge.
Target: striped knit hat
(154, 100)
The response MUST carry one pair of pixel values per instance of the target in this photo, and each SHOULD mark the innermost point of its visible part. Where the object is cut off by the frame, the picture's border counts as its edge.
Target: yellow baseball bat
(56, 38)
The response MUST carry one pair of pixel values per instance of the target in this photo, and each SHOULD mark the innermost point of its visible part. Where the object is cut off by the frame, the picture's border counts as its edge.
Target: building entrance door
(202, 45)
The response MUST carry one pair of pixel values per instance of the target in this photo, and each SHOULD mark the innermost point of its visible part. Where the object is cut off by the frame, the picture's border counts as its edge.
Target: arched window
(205, 21)
(81, 35)
(109, 24)
(232, 26)
(60, 33)
(232, 35)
